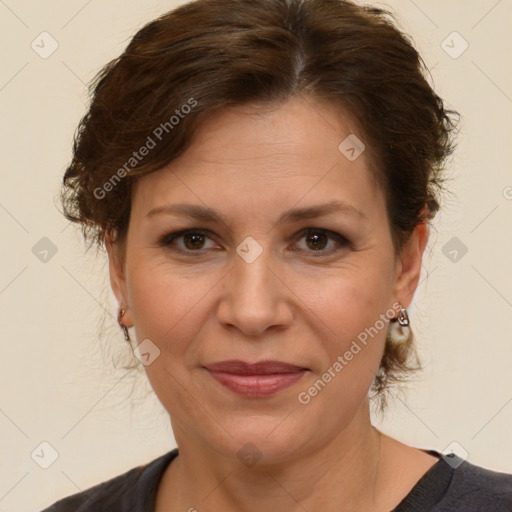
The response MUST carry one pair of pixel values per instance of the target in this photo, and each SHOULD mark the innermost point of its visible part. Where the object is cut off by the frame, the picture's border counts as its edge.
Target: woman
(262, 175)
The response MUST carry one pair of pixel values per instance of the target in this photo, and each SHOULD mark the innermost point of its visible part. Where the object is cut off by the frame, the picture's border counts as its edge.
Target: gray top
(450, 485)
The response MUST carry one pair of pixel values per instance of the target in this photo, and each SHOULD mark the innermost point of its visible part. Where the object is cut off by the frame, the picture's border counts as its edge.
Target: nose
(255, 297)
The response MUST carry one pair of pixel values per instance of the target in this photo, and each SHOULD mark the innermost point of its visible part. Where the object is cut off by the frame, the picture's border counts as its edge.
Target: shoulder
(474, 488)
(131, 491)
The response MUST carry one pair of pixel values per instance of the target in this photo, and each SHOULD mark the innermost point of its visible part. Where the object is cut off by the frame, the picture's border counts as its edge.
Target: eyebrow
(206, 214)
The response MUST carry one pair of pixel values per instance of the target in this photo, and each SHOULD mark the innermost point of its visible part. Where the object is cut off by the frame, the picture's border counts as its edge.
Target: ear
(117, 275)
(409, 265)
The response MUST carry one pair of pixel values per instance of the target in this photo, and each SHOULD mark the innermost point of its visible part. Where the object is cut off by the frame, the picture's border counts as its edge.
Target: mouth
(256, 380)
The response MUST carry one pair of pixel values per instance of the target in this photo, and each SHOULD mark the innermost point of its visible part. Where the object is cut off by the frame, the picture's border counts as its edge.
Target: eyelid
(168, 238)
(333, 235)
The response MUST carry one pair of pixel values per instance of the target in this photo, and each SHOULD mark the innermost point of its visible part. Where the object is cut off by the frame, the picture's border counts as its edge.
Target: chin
(263, 441)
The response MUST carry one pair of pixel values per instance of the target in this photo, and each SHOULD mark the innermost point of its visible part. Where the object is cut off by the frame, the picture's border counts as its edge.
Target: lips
(238, 367)
(256, 380)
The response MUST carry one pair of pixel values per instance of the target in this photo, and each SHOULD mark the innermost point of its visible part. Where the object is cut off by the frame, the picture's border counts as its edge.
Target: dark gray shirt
(445, 487)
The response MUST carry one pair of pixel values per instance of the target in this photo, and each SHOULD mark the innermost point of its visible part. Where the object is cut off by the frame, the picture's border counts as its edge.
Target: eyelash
(167, 240)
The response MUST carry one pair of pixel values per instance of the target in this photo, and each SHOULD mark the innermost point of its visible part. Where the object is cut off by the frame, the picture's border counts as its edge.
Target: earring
(399, 328)
(125, 330)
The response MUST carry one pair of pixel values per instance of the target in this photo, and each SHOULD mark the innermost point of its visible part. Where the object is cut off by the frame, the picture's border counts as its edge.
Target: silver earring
(399, 328)
(125, 330)
(403, 318)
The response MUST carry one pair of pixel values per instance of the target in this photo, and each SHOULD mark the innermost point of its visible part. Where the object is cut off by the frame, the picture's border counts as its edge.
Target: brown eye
(193, 241)
(318, 239)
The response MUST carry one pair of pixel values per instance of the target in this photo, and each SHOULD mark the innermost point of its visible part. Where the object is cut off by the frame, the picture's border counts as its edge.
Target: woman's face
(254, 286)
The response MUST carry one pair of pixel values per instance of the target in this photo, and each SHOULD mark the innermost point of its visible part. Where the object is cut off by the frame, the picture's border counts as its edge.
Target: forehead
(294, 151)
(302, 127)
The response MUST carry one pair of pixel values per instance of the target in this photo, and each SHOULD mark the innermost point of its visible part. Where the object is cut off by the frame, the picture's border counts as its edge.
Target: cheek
(350, 318)
(167, 303)
(165, 310)
(347, 302)
(351, 329)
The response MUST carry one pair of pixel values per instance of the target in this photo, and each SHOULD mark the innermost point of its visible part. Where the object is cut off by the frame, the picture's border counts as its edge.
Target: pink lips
(258, 379)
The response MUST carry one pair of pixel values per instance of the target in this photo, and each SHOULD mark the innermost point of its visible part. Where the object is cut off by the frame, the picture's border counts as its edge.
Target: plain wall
(57, 382)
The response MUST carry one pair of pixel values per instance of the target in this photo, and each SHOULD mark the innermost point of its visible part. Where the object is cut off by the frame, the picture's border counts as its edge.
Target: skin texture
(293, 303)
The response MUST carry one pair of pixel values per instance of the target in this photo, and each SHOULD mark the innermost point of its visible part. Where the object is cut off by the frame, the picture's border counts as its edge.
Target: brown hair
(209, 54)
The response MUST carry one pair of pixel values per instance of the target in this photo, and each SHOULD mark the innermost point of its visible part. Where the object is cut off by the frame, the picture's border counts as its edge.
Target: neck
(342, 475)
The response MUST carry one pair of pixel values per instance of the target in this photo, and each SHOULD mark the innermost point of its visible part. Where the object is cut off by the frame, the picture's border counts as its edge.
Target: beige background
(58, 384)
